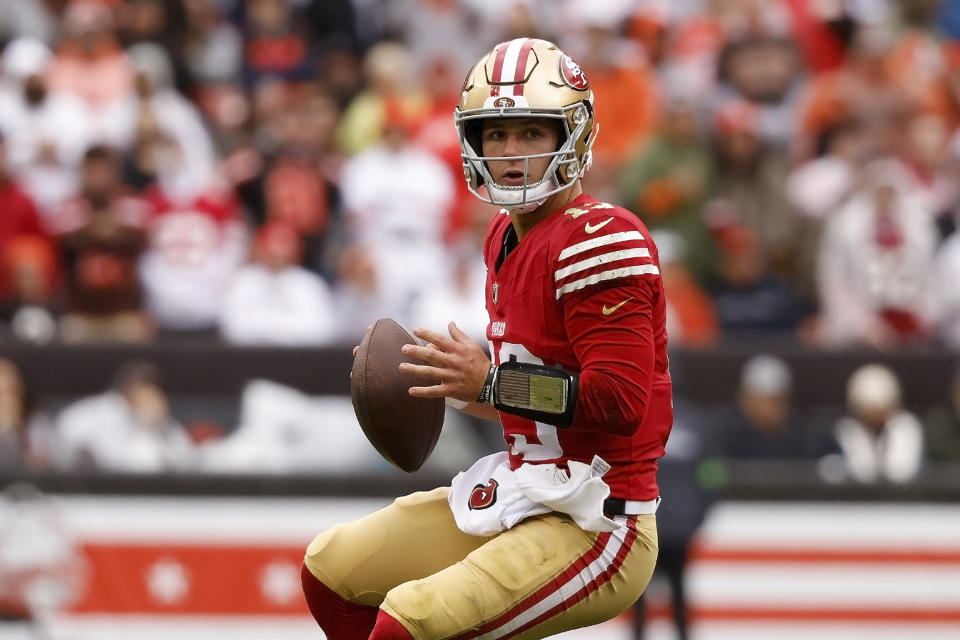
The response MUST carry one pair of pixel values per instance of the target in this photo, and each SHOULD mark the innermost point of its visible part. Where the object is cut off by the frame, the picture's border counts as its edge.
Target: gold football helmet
(522, 78)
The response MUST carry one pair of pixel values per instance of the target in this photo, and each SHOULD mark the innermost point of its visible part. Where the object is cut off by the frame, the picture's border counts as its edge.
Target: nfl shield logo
(496, 292)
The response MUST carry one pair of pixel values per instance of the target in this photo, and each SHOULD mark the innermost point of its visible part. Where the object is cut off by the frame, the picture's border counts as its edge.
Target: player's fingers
(457, 334)
(429, 355)
(355, 349)
(436, 391)
(441, 341)
(425, 371)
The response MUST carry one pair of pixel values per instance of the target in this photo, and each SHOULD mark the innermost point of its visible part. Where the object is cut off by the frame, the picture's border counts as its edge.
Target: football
(403, 429)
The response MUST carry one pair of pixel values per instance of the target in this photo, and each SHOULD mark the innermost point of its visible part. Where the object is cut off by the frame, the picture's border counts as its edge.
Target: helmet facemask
(562, 171)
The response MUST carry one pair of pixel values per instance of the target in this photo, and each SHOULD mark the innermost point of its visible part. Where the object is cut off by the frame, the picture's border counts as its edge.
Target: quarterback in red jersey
(558, 532)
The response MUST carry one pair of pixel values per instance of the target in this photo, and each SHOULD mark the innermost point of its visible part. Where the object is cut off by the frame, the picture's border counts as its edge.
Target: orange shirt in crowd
(627, 103)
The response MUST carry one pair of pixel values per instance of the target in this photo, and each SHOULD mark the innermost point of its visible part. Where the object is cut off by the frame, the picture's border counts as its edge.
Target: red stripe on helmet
(501, 50)
(521, 71)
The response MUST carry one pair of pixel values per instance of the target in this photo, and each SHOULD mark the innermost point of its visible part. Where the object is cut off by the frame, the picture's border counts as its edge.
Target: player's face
(518, 137)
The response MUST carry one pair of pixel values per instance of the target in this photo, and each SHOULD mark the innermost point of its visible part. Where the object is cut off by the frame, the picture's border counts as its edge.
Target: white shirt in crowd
(398, 202)
(895, 454)
(101, 430)
(858, 278)
(187, 266)
(289, 307)
(60, 124)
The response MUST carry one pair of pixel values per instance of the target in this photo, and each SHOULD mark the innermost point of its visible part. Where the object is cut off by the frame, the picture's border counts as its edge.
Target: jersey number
(546, 444)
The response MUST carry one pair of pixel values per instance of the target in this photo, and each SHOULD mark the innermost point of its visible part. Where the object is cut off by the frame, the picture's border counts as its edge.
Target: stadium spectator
(28, 262)
(397, 199)
(749, 295)
(29, 265)
(436, 30)
(818, 187)
(294, 180)
(942, 426)
(196, 240)
(155, 111)
(152, 21)
(390, 86)
(863, 87)
(27, 438)
(880, 440)
(101, 245)
(764, 424)
(277, 42)
(126, 429)
(668, 181)
(624, 83)
(764, 71)
(752, 175)
(282, 430)
(213, 46)
(929, 162)
(89, 63)
(27, 19)
(691, 317)
(273, 300)
(46, 131)
(876, 264)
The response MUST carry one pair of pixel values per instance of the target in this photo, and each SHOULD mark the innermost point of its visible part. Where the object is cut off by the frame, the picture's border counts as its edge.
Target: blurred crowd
(285, 171)
(135, 426)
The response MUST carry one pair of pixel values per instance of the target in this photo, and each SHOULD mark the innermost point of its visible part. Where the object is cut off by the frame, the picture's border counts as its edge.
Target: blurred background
(204, 203)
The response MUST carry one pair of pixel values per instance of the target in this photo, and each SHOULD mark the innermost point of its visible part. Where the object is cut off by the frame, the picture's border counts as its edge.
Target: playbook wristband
(541, 393)
(486, 394)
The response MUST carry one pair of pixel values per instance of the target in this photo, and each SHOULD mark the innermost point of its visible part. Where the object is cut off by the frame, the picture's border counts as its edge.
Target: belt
(620, 507)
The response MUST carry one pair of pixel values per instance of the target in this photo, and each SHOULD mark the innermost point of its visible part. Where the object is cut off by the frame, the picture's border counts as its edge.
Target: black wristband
(486, 394)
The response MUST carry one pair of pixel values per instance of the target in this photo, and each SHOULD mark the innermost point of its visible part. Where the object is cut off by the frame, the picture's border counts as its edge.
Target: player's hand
(458, 364)
(356, 347)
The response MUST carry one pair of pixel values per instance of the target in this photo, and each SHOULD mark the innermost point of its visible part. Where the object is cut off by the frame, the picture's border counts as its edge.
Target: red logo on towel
(484, 495)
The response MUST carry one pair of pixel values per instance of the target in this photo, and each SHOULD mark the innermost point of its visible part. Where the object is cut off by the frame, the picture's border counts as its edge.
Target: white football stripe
(577, 583)
(607, 275)
(510, 65)
(593, 243)
(613, 256)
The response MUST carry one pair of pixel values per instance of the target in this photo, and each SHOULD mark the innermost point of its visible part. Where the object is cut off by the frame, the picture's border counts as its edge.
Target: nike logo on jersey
(593, 228)
(608, 310)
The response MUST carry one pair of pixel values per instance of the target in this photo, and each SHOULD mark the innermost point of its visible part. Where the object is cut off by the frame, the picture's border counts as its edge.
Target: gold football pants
(544, 576)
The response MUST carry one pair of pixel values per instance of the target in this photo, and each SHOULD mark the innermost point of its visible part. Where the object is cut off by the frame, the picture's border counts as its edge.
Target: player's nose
(512, 146)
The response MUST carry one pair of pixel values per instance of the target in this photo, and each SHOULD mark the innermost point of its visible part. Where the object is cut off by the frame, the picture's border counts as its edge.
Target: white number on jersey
(549, 446)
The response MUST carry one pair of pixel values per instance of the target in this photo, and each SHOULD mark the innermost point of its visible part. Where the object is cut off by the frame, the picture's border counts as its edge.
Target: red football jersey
(582, 291)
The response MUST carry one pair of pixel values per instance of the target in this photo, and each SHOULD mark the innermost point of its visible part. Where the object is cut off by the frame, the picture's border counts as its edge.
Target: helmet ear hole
(472, 131)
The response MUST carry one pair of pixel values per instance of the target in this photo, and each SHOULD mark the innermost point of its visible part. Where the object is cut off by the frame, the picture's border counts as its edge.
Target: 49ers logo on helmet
(572, 74)
(505, 101)
(484, 496)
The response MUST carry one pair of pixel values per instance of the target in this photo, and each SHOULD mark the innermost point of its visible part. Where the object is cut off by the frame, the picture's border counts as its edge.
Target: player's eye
(494, 134)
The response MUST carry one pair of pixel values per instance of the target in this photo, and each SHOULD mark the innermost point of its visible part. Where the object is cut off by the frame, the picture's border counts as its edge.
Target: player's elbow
(618, 412)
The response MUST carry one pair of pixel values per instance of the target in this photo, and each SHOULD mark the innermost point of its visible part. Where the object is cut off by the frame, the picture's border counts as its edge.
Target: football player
(559, 531)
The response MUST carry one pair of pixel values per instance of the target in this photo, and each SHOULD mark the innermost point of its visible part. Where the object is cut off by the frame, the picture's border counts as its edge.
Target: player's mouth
(512, 177)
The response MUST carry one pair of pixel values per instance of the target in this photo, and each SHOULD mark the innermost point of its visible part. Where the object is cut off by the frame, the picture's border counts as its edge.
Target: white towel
(489, 497)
